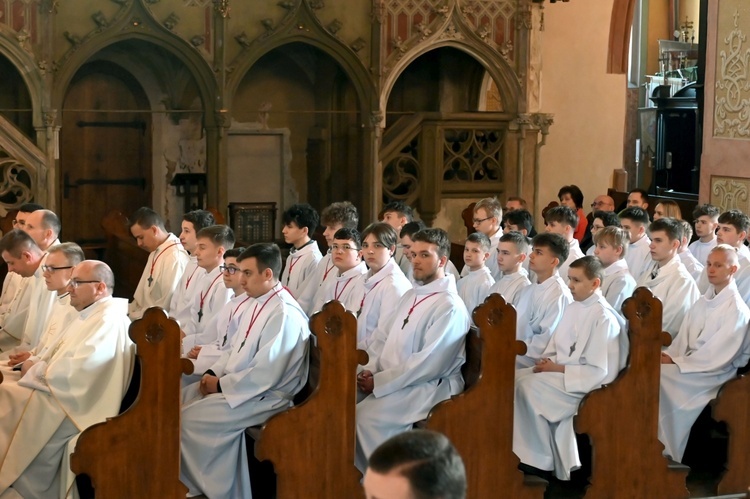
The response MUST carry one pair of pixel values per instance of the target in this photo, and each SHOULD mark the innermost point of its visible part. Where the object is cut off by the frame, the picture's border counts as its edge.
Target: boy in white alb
(474, 287)
(541, 305)
(166, 262)
(416, 362)
(734, 226)
(346, 287)
(693, 266)
(212, 295)
(668, 279)
(563, 220)
(711, 344)
(300, 222)
(521, 221)
(635, 220)
(601, 220)
(397, 214)
(488, 213)
(706, 221)
(611, 245)
(583, 354)
(183, 297)
(511, 255)
(334, 217)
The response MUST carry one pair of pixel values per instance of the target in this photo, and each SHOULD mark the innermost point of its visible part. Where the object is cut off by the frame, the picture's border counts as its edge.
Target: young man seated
(397, 214)
(667, 278)
(347, 286)
(474, 287)
(405, 237)
(416, 362)
(300, 223)
(521, 221)
(711, 345)
(512, 253)
(541, 305)
(257, 378)
(488, 213)
(583, 354)
(563, 220)
(611, 246)
(734, 227)
(693, 266)
(706, 221)
(635, 220)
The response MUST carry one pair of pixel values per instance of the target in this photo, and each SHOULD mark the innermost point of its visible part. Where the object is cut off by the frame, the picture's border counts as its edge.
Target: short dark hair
(412, 228)
(707, 210)
(71, 251)
(16, 242)
(555, 243)
(435, 236)
(481, 239)
(30, 207)
(403, 209)
(738, 219)
(342, 212)
(267, 256)
(146, 218)
(517, 238)
(635, 214)
(562, 214)
(234, 252)
(592, 267)
(427, 459)
(349, 235)
(642, 192)
(220, 235)
(302, 215)
(575, 194)
(608, 218)
(668, 225)
(51, 221)
(200, 219)
(383, 233)
(520, 218)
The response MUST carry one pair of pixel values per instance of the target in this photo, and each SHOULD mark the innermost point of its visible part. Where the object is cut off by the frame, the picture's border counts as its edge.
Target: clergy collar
(619, 265)
(358, 269)
(63, 296)
(447, 283)
(88, 311)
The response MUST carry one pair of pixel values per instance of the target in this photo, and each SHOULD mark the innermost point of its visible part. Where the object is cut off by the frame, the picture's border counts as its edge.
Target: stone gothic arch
(27, 67)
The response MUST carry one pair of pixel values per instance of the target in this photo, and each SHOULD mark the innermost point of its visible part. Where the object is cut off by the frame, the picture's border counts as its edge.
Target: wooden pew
(479, 421)
(732, 406)
(311, 445)
(621, 419)
(137, 454)
(123, 255)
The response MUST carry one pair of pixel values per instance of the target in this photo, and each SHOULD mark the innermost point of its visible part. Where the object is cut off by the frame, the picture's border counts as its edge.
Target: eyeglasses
(480, 220)
(345, 247)
(229, 270)
(51, 269)
(74, 283)
(597, 227)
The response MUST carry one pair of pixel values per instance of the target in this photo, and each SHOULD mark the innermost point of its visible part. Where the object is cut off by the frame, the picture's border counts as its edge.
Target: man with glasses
(601, 203)
(487, 217)
(78, 382)
(347, 286)
(601, 219)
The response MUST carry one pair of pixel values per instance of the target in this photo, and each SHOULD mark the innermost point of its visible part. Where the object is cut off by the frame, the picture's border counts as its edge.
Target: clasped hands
(546, 365)
(365, 382)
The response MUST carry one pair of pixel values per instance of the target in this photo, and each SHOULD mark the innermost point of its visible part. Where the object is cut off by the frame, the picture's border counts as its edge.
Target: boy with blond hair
(611, 246)
(474, 287)
(512, 253)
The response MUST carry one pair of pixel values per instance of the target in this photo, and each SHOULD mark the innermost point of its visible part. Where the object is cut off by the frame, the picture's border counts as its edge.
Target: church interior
(247, 107)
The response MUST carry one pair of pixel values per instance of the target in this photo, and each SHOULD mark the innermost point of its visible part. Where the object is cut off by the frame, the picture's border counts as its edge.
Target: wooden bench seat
(732, 406)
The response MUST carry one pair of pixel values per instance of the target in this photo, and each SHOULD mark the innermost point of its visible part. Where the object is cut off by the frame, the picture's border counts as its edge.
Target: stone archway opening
(15, 98)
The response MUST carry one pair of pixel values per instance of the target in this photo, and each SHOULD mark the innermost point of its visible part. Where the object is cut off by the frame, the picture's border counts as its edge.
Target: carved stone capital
(50, 117)
(222, 8)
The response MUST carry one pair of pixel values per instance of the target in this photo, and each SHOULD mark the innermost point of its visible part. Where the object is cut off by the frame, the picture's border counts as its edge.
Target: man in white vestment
(611, 246)
(512, 252)
(638, 256)
(541, 305)
(184, 296)
(734, 227)
(347, 285)
(563, 220)
(709, 348)
(415, 363)
(706, 221)
(78, 382)
(166, 262)
(668, 279)
(584, 353)
(257, 378)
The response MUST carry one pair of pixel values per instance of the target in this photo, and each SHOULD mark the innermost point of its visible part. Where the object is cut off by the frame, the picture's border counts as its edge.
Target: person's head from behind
(571, 196)
(634, 220)
(603, 219)
(548, 252)
(561, 220)
(345, 249)
(666, 237)
(91, 281)
(192, 222)
(260, 267)
(667, 208)
(406, 235)
(476, 250)
(733, 228)
(397, 214)
(417, 464)
(20, 253)
(512, 251)
(515, 203)
(706, 221)
(519, 221)
(58, 268)
(721, 265)
(43, 226)
(147, 228)
(687, 235)
(584, 277)
(487, 216)
(639, 198)
(339, 215)
(430, 251)
(300, 222)
(211, 243)
(611, 244)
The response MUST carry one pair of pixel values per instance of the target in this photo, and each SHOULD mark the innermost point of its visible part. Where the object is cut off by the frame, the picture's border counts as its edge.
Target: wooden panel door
(105, 151)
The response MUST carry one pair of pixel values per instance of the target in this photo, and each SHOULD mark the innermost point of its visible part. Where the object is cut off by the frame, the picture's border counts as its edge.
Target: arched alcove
(15, 98)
